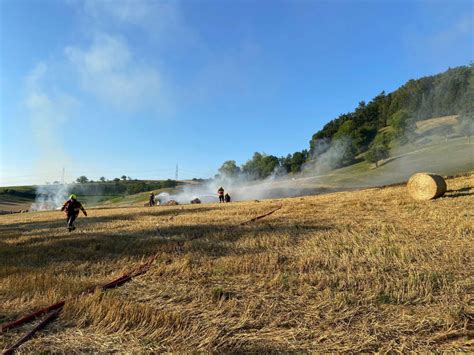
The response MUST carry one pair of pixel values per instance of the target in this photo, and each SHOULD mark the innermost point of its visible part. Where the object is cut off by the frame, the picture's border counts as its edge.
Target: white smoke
(204, 192)
(240, 188)
(50, 197)
(329, 155)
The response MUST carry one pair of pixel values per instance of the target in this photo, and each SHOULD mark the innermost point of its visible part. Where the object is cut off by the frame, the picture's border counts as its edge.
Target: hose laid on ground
(56, 308)
(260, 217)
(31, 333)
(30, 317)
(115, 283)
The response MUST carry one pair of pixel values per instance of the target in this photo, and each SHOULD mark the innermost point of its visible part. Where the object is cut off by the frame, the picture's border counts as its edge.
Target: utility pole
(176, 174)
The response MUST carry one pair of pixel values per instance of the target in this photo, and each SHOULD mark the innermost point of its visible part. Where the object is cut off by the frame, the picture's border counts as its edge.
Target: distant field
(362, 271)
(21, 200)
(436, 155)
(15, 198)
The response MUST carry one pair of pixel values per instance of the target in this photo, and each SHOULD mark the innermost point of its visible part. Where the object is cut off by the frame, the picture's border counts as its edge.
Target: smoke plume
(50, 197)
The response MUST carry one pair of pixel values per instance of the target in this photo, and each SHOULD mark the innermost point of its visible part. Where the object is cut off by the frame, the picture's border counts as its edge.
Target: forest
(375, 127)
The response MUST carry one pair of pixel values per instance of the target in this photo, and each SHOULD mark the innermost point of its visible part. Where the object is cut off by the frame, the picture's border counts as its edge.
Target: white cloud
(140, 13)
(35, 76)
(462, 27)
(160, 20)
(108, 70)
(448, 41)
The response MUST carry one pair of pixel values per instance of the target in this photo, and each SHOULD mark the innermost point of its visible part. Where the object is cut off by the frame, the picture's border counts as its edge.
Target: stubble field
(369, 270)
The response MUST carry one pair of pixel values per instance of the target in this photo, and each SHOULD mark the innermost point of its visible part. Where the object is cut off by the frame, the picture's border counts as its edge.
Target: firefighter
(152, 199)
(220, 192)
(72, 207)
(227, 197)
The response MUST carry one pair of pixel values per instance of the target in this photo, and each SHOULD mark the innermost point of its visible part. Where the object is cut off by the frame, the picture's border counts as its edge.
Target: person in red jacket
(72, 207)
(220, 192)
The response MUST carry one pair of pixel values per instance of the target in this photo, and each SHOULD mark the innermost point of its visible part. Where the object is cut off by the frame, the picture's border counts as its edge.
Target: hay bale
(195, 201)
(172, 203)
(426, 186)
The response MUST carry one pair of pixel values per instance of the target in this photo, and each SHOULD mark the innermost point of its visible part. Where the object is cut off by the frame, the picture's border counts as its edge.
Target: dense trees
(229, 169)
(439, 95)
(260, 166)
(123, 187)
(372, 127)
(293, 163)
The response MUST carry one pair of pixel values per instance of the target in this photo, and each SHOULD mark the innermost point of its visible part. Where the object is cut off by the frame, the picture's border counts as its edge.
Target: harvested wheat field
(369, 270)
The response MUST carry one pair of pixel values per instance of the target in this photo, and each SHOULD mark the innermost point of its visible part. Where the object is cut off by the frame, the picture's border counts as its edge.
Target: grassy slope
(446, 158)
(368, 270)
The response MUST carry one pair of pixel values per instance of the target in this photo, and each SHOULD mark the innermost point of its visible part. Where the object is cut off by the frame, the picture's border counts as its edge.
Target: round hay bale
(426, 186)
(172, 203)
(195, 201)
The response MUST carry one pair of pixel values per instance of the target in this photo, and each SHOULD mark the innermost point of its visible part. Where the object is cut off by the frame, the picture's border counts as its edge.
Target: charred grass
(368, 270)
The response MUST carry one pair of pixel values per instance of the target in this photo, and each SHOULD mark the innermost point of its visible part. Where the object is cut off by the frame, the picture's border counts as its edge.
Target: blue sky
(106, 88)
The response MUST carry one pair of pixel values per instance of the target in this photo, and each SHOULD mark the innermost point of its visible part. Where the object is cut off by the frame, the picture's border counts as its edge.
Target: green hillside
(446, 158)
(375, 129)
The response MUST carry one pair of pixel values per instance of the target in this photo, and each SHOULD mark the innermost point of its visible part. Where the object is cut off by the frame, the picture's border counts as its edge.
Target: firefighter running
(72, 207)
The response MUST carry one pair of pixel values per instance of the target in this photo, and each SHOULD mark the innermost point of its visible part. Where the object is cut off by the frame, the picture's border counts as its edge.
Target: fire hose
(54, 309)
(260, 217)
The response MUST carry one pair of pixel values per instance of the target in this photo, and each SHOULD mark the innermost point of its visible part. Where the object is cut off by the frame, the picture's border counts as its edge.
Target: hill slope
(369, 270)
(386, 121)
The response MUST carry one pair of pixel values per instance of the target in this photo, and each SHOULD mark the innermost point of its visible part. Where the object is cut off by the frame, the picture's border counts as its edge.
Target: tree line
(373, 128)
(121, 186)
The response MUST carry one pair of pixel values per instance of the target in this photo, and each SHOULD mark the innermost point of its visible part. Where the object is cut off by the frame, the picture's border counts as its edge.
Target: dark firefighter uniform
(220, 192)
(72, 207)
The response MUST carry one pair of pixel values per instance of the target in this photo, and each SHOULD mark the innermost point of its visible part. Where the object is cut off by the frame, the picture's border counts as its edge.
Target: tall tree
(229, 168)
(82, 179)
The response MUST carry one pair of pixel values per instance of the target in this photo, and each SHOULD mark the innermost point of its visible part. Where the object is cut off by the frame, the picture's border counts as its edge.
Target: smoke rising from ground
(51, 197)
(241, 188)
(328, 155)
(434, 152)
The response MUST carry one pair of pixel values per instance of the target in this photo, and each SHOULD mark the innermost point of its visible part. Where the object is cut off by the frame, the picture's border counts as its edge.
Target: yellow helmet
(73, 197)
